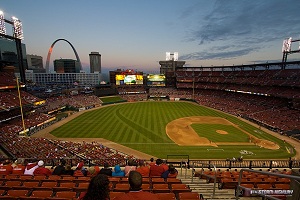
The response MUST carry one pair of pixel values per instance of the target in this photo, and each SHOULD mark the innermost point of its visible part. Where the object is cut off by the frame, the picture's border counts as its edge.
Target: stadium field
(142, 126)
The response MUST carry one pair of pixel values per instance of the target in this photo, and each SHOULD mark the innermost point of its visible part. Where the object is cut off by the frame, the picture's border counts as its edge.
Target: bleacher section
(31, 187)
(279, 83)
(183, 187)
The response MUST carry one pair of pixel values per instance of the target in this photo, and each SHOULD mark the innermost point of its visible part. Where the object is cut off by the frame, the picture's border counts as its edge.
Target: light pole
(17, 37)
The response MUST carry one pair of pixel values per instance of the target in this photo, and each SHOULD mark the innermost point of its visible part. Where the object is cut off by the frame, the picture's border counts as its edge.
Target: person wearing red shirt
(170, 173)
(30, 167)
(157, 169)
(142, 169)
(42, 170)
(6, 168)
(164, 165)
(151, 162)
(19, 167)
(135, 192)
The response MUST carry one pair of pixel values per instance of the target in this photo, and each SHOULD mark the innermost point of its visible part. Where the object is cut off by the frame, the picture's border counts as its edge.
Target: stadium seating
(121, 187)
(15, 194)
(189, 195)
(179, 188)
(160, 188)
(65, 194)
(166, 196)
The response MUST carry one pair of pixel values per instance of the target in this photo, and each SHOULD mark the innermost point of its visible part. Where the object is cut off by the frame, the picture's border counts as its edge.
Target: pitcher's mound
(222, 132)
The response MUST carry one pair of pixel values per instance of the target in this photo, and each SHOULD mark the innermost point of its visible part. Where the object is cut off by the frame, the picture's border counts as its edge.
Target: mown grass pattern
(141, 126)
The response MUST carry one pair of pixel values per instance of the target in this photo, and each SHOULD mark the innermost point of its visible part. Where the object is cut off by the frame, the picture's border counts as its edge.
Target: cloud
(255, 23)
(207, 55)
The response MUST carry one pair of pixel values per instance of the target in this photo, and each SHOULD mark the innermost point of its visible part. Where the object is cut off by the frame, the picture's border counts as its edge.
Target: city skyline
(136, 34)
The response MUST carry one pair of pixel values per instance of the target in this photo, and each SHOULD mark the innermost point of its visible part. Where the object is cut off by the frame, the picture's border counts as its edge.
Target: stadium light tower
(18, 31)
(287, 49)
(17, 37)
(2, 23)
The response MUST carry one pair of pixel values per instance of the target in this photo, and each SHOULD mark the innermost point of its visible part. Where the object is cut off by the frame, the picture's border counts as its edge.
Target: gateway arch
(50, 51)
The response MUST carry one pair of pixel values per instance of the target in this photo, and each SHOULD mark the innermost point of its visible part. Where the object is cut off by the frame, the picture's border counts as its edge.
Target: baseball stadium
(212, 124)
(219, 132)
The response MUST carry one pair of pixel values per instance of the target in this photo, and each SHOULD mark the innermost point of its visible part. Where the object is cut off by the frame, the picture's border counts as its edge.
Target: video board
(129, 79)
(156, 80)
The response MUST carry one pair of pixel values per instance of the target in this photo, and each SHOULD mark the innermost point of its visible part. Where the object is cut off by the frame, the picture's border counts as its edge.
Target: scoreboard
(156, 80)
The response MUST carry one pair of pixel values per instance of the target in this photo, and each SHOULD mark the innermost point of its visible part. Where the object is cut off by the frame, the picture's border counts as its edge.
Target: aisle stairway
(206, 189)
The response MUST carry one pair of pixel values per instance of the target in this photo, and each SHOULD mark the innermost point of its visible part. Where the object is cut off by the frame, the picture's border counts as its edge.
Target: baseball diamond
(157, 129)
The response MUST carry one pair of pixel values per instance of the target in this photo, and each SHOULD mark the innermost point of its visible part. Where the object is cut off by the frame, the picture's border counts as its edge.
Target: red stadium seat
(41, 194)
(65, 194)
(121, 187)
(189, 195)
(166, 196)
(160, 188)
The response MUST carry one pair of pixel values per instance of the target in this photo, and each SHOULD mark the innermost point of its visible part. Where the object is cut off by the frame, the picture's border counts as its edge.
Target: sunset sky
(136, 34)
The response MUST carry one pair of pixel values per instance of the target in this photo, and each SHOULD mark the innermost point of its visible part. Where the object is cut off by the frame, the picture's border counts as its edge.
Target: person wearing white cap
(30, 167)
(42, 170)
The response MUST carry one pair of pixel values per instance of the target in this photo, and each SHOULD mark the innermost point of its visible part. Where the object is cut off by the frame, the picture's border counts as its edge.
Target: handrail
(186, 166)
(215, 170)
(265, 173)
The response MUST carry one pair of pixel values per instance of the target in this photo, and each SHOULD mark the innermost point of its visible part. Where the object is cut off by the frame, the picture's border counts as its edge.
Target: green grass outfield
(141, 126)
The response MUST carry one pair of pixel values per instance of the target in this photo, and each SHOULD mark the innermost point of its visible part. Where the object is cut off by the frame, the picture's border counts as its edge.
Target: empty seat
(28, 185)
(121, 187)
(124, 180)
(264, 186)
(53, 178)
(13, 177)
(166, 196)
(82, 187)
(46, 185)
(188, 195)
(145, 180)
(146, 187)
(66, 179)
(155, 180)
(282, 186)
(283, 180)
(114, 179)
(65, 194)
(173, 180)
(270, 180)
(41, 193)
(160, 188)
(5, 170)
(247, 185)
(10, 184)
(227, 183)
(11, 194)
(65, 186)
(39, 177)
(18, 170)
(26, 177)
(179, 188)
(82, 179)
